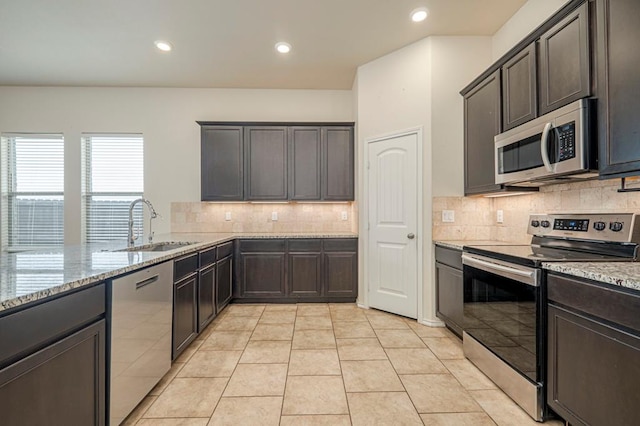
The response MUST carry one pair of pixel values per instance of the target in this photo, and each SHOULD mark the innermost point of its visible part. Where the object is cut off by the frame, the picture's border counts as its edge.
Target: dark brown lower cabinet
(593, 353)
(206, 296)
(262, 274)
(185, 313)
(224, 282)
(340, 274)
(449, 288)
(304, 276)
(61, 384)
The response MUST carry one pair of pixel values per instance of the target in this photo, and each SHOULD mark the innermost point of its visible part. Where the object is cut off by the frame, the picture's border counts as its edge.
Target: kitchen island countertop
(623, 274)
(28, 276)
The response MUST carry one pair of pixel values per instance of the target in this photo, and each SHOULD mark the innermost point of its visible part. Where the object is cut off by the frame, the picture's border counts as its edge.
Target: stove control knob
(535, 223)
(545, 224)
(599, 226)
(615, 226)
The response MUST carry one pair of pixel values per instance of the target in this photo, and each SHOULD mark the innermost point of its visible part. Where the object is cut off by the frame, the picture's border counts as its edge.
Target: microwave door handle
(544, 147)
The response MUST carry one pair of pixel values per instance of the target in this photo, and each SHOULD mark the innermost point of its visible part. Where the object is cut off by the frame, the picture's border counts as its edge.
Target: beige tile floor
(324, 364)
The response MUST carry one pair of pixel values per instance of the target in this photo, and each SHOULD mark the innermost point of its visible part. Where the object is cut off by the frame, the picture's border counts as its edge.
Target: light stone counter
(33, 275)
(623, 274)
(461, 244)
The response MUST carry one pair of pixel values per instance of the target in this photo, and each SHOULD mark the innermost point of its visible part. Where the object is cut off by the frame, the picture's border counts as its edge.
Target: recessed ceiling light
(165, 46)
(283, 47)
(419, 14)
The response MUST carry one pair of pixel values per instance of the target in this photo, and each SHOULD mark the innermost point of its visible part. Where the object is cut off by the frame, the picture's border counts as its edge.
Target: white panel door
(393, 206)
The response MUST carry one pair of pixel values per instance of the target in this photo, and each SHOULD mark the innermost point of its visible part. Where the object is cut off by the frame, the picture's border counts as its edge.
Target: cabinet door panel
(337, 163)
(341, 274)
(224, 282)
(263, 274)
(564, 61)
(594, 370)
(64, 383)
(449, 299)
(266, 163)
(222, 163)
(304, 274)
(206, 297)
(482, 123)
(618, 87)
(185, 320)
(519, 94)
(304, 163)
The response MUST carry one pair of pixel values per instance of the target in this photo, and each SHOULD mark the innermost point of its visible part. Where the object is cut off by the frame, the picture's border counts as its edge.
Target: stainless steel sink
(163, 246)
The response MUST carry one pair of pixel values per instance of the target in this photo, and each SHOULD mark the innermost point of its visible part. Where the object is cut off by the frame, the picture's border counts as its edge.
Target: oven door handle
(529, 276)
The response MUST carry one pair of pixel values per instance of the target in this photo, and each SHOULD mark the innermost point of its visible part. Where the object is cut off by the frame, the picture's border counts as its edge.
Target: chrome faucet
(130, 237)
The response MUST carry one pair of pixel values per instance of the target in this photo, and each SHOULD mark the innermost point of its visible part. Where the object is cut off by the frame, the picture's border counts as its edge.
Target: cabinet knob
(411, 236)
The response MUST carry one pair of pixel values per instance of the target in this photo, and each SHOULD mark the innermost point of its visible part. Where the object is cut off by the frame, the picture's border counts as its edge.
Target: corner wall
(166, 118)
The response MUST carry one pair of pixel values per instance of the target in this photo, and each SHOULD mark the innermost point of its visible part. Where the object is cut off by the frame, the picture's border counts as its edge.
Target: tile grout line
(286, 375)
(344, 386)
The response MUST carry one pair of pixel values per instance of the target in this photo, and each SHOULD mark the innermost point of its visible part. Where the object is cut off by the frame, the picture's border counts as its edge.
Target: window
(113, 178)
(33, 190)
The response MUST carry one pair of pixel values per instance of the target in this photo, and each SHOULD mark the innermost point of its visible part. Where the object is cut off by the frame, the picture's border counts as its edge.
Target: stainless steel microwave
(558, 146)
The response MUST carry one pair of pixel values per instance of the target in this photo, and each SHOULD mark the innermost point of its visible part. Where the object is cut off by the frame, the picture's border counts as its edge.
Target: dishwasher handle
(147, 281)
(529, 276)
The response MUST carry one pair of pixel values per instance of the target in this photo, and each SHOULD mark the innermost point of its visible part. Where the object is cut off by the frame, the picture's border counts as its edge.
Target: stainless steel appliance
(558, 146)
(141, 315)
(505, 295)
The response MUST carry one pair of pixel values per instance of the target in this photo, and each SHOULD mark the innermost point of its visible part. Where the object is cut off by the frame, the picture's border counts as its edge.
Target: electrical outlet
(448, 216)
(227, 216)
(500, 216)
(344, 216)
(274, 216)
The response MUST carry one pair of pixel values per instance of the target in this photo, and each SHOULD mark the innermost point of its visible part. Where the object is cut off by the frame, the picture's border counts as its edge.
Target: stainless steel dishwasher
(141, 314)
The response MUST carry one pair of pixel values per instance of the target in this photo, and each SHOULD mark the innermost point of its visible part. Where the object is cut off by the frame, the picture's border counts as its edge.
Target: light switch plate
(344, 216)
(274, 216)
(448, 216)
(500, 216)
(227, 216)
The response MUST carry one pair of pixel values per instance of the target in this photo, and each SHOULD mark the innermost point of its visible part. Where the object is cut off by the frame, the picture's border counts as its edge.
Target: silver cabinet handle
(146, 282)
(411, 236)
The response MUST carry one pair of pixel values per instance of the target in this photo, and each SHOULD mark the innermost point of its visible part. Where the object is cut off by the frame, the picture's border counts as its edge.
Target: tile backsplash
(475, 217)
(257, 217)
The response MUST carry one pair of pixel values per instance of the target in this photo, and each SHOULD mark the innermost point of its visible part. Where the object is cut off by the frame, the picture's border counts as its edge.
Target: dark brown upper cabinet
(304, 163)
(277, 161)
(519, 93)
(222, 163)
(564, 61)
(482, 124)
(265, 156)
(618, 62)
(337, 164)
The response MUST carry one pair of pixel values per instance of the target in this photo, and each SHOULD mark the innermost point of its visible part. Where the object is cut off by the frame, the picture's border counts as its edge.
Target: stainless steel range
(505, 295)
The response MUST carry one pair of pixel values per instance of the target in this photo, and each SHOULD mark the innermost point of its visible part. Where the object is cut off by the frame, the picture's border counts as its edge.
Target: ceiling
(220, 43)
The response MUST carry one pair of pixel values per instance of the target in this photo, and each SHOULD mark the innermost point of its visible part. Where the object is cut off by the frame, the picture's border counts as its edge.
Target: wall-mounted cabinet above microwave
(547, 70)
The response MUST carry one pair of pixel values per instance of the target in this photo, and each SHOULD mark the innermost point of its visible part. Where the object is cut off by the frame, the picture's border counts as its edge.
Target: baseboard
(432, 323)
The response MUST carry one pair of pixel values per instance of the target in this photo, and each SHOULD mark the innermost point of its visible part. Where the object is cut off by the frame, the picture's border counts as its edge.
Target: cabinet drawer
(305, 245)
(185, 266)
(207, 257)
(262, 245)
(614, 305)
(449, 257)
(225, 250)
(340, 244)
(31, 328)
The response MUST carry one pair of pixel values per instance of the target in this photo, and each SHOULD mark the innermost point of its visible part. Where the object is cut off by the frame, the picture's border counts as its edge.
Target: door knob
(411, 236)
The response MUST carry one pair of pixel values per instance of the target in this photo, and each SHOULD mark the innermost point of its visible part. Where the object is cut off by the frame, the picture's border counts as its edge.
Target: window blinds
(113, 178)
(35, 190)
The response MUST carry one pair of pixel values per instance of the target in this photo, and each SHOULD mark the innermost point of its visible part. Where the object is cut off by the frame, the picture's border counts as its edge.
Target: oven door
(503, 327)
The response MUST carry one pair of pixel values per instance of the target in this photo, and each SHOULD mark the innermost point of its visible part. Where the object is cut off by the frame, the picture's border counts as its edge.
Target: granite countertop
(460, 244)
(623, 274)
(33, 275)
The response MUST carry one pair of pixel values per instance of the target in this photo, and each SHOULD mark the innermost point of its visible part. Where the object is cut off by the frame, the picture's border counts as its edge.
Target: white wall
(529, 17)
(418, 86)
(166, 118)
(455, 62)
